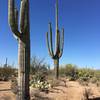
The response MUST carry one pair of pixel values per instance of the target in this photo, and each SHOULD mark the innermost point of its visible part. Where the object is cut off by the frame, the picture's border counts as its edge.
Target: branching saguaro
(55, 55)
(23, 37)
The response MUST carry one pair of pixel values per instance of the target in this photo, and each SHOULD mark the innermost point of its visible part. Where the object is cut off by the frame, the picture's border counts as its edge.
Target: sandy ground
(73, 91)
(5, 92)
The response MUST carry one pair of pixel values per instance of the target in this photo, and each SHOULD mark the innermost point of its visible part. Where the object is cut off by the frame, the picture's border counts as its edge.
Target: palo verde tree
(23, 38)
(55, 55)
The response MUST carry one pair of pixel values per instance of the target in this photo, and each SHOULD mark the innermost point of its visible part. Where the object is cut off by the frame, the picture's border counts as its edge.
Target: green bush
(62, 71)
(85, 72)
(82, 74)
(71, 71)
(97, 74)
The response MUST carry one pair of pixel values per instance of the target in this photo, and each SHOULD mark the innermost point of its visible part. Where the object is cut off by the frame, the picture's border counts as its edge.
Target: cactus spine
(55, 55)
(23, 37)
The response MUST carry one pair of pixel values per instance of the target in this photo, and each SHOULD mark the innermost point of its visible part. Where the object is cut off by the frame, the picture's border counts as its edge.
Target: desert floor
(73, 91)
(5, 91)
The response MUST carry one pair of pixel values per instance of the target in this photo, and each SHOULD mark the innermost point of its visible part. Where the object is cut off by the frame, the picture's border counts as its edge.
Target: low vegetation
(72, 72)
(6, 72)
(42, 77)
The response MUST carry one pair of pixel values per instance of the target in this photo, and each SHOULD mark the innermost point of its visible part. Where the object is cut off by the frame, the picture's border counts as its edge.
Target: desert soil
(73, 91)
(5, 91)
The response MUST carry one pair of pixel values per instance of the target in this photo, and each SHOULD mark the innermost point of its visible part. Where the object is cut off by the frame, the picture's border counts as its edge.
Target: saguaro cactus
(58, 45)
(23, 37)
(6, 63)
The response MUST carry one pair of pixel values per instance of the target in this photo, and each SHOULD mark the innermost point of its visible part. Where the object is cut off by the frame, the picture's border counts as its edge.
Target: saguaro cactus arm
(51, 45)
(22, 16)
(12, 17)
(61, 43)
(48, 46)
(16, 18)
(27, 23)
(56, 15)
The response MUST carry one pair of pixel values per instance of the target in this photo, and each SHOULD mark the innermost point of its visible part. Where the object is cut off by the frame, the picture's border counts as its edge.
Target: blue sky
(80, 19)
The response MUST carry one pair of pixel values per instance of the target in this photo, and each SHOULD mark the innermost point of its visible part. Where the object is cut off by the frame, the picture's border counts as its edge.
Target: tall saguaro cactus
(55, 55)
(23, 37)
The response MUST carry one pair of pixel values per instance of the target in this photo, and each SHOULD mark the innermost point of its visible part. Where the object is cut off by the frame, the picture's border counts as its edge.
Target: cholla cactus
(59, 44)
(23, 37)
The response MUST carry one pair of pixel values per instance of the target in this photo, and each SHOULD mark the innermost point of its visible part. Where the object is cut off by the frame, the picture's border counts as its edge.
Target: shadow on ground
(6, 98)
(5, 90)
(38, 96)
(96, 98)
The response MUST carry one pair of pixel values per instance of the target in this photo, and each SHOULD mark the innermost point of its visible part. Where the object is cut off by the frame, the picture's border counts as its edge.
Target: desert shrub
(38, 66)
(81, 74)
(71, 71)
(82, 82)
(96, 77)
(6, 73)
(62, 71)
(54, 83)
(97, 74)
(93, 80)
(39, 72)
(85, 74)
